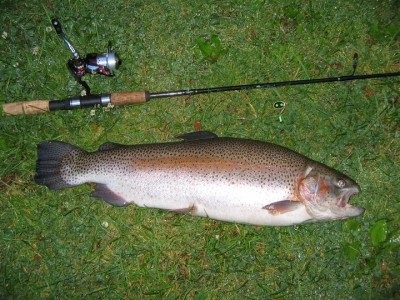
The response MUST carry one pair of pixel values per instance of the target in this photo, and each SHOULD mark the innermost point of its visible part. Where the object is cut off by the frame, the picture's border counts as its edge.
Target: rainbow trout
(228, 179)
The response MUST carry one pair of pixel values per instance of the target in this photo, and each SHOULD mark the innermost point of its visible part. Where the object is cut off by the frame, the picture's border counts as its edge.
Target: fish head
(326, 192)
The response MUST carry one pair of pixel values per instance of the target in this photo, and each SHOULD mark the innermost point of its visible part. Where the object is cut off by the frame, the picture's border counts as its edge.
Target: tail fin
(50, 161)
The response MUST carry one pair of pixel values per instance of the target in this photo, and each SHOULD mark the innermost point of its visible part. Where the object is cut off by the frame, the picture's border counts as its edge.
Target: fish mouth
(343, 202)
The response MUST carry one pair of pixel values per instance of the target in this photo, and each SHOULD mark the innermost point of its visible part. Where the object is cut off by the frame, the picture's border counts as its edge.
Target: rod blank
(128, 98)
(192, 92)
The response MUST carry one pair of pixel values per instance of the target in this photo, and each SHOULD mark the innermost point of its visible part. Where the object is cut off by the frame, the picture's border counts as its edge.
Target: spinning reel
(93, 63)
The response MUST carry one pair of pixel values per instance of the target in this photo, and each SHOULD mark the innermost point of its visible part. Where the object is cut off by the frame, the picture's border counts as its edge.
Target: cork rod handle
(40, 106)
(127, 98)
(26, 107)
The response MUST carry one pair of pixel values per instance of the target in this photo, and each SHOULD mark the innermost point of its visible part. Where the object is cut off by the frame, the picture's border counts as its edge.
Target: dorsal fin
(197, 135)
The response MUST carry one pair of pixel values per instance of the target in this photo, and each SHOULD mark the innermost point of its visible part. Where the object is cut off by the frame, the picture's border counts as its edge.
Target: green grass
(63, 244)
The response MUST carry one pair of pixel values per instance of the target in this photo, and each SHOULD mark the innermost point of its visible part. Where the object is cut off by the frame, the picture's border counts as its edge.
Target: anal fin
(281, 207)
(186, 210)
(103, 192)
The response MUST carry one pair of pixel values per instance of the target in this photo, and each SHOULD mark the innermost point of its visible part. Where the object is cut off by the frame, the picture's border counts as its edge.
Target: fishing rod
(105, 63)
(128, 98)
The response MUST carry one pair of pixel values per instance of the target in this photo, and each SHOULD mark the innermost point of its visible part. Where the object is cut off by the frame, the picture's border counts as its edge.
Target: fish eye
(341, 183)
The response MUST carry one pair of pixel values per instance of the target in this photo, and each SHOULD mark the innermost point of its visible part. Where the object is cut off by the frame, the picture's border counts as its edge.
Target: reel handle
(57, 26)
(61, 35)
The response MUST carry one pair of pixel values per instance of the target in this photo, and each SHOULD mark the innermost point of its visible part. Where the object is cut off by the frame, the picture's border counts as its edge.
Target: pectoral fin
(281, 207)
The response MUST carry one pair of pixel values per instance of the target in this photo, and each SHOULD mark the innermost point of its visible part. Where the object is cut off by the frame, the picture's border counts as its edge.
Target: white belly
(221, 200)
